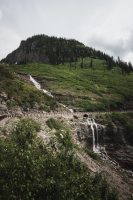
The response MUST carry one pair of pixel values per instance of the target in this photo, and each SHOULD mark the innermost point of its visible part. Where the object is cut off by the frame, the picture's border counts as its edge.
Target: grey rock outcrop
(3, 105)
(27, 53)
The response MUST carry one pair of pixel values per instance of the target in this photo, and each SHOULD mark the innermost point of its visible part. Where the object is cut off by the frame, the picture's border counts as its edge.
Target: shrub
(54, 124)
(25, 132)
(34, 172)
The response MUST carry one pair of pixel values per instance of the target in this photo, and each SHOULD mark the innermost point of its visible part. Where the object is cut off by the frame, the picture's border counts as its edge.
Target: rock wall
(112, 138)
(26, 54)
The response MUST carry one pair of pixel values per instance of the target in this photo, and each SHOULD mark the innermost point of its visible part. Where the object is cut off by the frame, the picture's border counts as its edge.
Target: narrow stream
(38, 86)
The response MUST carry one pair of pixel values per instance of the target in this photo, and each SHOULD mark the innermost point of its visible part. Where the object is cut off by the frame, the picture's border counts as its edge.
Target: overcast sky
(103, 24)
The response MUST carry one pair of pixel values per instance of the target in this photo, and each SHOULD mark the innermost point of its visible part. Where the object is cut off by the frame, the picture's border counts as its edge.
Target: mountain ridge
(58, 47)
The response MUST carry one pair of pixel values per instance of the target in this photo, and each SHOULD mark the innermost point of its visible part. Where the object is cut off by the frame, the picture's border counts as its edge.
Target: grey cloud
(130, 42)
(120, 47)
(93, 21)
(100, 42)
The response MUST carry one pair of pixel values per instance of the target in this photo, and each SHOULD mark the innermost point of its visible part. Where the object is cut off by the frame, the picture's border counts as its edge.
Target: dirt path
(56, 114)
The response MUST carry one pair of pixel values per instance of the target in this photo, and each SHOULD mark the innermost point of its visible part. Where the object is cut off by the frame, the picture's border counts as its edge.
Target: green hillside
(90, 87)
(17, 92)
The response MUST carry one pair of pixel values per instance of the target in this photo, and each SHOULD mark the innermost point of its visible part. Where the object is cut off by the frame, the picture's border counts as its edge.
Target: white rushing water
(71, 110)
(38, 86)
(97, 149)
(93, 134)
(94, 128)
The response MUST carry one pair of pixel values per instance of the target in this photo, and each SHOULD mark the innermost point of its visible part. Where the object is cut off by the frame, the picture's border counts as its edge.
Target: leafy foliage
(92, 154)
(25, 132)
(28, 170)
(62, 133)
(54, 124)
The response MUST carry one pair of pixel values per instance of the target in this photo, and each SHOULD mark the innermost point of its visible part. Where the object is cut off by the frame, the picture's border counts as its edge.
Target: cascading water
(93, 134)
(38, 86)
(94, 126)
(97, 144)
(97, 131)
(71, 110)
(96, 147)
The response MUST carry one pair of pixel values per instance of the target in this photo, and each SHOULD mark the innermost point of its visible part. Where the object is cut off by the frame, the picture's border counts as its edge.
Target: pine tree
(91, 63)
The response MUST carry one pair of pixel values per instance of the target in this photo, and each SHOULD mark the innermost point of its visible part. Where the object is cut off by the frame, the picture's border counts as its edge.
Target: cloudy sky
(104, 24)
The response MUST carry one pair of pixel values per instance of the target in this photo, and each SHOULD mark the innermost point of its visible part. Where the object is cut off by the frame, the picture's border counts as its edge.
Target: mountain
(52, 50)
(44, 49)
(66, 122)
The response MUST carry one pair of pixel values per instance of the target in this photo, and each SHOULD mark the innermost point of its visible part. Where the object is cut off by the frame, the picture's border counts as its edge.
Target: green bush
(25, 132)
(54, 124)
(92, 154)
(29, 170)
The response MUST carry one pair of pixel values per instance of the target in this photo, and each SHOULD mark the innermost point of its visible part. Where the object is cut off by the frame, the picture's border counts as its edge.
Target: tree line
(61, 50)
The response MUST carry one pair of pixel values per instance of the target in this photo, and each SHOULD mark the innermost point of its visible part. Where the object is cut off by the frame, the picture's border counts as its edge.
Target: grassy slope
(94, 88)
(20, 93)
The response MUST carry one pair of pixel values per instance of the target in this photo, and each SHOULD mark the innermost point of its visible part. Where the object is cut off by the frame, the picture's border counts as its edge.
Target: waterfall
(48, 93)
(93, 134)
(97, 144)
(94, 128)
(70, 110)
(98, 149)
(38, 86)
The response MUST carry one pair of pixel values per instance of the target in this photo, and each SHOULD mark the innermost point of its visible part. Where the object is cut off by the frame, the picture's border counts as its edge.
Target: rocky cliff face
(114, 139)
(27, 53)
(118, 145)
(3, 104)
(45, 49)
